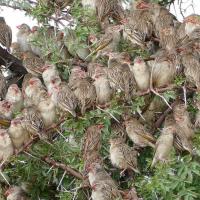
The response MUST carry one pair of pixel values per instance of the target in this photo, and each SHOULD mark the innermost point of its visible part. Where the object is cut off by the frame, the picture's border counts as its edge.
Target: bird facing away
(6, 34)
(123, 156)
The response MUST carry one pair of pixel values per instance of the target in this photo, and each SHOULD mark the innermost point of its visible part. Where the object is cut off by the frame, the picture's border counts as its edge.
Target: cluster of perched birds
(45, 97)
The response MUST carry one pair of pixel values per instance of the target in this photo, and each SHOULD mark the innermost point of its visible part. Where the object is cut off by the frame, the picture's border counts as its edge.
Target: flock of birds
(44, 97)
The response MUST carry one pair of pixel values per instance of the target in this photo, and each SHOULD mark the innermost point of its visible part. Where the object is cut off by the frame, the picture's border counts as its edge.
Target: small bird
(16, 50)
(6, 110)
(122, 156)
(3, 86)
(33, 63)
(50, 73)
(16, 193)
(120, 76)
(163, 70)
(103, 90)
(63, 97)
(14, 95)
(6, 34)
(103, 187)
(33, 36)
(141, 73)
(164, 143)
(109, 8)
(6, 146)
(182, 119)
(18, 135)
(92, 140)
(32, 121)
(137, 133)
(23, 37)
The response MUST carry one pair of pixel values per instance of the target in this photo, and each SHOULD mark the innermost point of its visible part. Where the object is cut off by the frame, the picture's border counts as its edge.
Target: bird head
(138, 60)
(142, 5)
(34, 29)
(15, 122)
(34, 81)
(24, 28)
(13, 88)
(194, 19)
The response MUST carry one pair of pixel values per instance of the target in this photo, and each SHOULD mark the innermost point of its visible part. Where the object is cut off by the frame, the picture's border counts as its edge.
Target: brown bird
(3, 86)
(102, 86)
(122, 156)
(6, 34)
(14, 95)
(16, 50)
(191, 68)
(6, 109)
(50, 73)
(118, 130)
(164, 143)
(138, 28)
(163, 69)
(83, 89)
(23, 37)
(91, 140)
(137, 133)
(32, 121)
(104, 188)
(63, 97)
(33, 64)
(18, 135)
(33, 36)
(168, 38)
(141, 73)
(182, 119)
(16, 193)
(6, 146)
(109, 8)
(120, 76)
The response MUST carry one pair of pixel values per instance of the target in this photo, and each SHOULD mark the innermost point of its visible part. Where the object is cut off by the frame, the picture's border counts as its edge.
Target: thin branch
(68, 169)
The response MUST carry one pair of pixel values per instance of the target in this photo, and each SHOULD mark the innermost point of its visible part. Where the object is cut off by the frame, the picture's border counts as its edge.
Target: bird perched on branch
(33, 36)
(164, 143)
(6, 146)
(123, 156)
(119, 74)
(63, 97)
(18, 134)
(14, 95)
(33, 63)
(6, 34)
(23, 37)
(141, 73)
(137, 133)
(109, 8)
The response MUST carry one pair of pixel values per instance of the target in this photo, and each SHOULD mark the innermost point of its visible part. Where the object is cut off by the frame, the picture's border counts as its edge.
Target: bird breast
(116, 156)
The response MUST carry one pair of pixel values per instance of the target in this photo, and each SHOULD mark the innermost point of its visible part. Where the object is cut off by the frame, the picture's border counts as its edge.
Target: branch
(69, 170)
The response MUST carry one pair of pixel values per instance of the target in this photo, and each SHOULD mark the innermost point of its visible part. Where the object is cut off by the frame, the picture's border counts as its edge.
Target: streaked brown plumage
(181, 116)
(6, 34)
(164, 143)
(16, 193)
(91, 140)
(63, 97)
(122, 156)
(16, 50)
(137, 133)
(109, 8)
(120, 76)
(6, 146)
(32, 121)
(33, 64)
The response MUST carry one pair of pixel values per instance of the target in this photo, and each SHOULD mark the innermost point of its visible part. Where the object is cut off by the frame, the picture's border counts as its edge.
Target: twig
(69, 170)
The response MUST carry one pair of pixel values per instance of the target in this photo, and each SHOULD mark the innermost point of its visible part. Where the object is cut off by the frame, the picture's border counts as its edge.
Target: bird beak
(19, 26)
